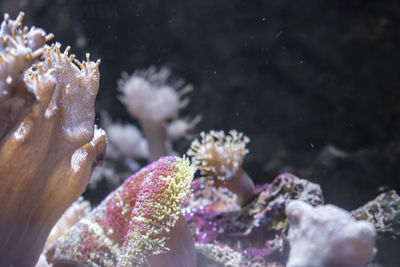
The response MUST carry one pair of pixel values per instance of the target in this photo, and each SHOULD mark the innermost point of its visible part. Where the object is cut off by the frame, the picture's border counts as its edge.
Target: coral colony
(219, 157)
(49, 143)
(137, 224)
(150, 99)
(157, 217)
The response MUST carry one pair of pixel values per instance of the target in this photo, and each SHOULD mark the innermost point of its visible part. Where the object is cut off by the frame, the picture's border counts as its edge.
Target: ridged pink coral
(133, 226)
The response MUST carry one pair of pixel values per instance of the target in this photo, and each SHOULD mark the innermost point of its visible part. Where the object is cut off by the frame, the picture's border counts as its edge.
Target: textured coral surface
(49, 144)
(133, 222)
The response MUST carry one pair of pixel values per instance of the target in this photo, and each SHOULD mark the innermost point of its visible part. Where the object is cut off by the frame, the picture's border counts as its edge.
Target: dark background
(314, 84)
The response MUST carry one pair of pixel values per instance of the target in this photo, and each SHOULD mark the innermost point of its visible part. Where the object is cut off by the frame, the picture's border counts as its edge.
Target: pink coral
(139, 223)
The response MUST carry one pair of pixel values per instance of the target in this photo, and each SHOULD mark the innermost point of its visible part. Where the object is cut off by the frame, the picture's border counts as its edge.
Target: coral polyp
(219, 158)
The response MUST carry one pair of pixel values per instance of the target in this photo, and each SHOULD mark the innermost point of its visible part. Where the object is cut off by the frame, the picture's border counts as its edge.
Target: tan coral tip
(49, 37)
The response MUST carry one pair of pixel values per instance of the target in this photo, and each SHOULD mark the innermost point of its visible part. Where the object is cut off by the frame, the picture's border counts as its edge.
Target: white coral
(327, 236)
(147, 96)
(153, 99)
(126, 141)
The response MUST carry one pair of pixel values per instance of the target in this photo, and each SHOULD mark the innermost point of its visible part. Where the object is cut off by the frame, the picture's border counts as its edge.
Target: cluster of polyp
(219, 158)
(140, 223)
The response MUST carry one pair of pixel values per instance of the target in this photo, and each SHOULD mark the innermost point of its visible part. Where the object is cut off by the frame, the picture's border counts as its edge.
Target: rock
(327, 236)
(256, 233)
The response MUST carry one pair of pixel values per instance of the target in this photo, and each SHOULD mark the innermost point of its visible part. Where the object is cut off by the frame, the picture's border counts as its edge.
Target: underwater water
(313, 85)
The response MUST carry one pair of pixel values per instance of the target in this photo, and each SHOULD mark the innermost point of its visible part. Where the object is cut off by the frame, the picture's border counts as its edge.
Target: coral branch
(49, 144)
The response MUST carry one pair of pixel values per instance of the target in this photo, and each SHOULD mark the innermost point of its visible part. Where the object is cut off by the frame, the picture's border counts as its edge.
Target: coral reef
(219, 158)
(139, 223)
(327, 236)
(49, 144)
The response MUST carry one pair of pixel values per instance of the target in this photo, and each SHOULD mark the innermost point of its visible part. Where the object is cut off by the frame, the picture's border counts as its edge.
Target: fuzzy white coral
(327, 236)
(126, 141)
(147, 96)
(179, 127)
(153, 98)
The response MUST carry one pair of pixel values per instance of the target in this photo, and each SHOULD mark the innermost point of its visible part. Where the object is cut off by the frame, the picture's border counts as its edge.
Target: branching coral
(49, 144)
(219, 158)
(153, 100)
(327, 236)
(139, 223)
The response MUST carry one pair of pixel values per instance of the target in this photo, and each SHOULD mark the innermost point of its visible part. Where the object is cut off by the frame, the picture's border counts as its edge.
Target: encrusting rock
(252, 235)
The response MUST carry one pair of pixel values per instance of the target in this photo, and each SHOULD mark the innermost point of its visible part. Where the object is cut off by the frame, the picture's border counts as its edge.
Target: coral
(212, 255)
(49, 144)
(253, 233)
(219, 158)
(327, 236)
(153, 99)
(126, 141)
(79, 209)
(137, 224)
(179, 127)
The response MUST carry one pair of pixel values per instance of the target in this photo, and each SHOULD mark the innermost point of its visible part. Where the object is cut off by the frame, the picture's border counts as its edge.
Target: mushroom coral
(152, 99)
(219, 158)
(48, 141)
(138, 224)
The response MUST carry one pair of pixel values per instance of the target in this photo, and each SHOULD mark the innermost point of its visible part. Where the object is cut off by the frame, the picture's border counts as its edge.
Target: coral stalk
(156, 135)
(153, 100)
(49, 144)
